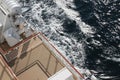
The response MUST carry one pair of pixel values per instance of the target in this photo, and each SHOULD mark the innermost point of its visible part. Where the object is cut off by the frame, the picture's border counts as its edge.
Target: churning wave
(86, 31)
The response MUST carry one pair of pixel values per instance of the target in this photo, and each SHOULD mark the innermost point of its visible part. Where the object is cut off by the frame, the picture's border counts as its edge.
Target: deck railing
(60, 56)
(53, 49)
(10, 72)
(16, 47)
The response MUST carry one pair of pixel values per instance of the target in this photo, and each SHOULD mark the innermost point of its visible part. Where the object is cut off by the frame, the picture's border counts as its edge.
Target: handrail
(10, 70)
(44, 37)
(22, 42)
(62, 56)
(2, 51)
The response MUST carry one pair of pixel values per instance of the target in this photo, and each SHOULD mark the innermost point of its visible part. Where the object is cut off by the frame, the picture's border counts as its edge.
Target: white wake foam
(45, 18)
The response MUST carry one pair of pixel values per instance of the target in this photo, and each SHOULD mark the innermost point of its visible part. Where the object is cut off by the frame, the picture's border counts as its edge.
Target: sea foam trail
(67, 6)
(79, 29)
(49, 18)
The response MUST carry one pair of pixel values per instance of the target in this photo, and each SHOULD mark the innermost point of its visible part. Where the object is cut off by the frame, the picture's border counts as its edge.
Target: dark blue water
(102, 49)
(106, 24)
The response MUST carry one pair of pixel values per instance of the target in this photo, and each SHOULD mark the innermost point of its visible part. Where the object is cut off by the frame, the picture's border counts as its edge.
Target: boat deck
(36, 61)
(5, 72)
(35, 58)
